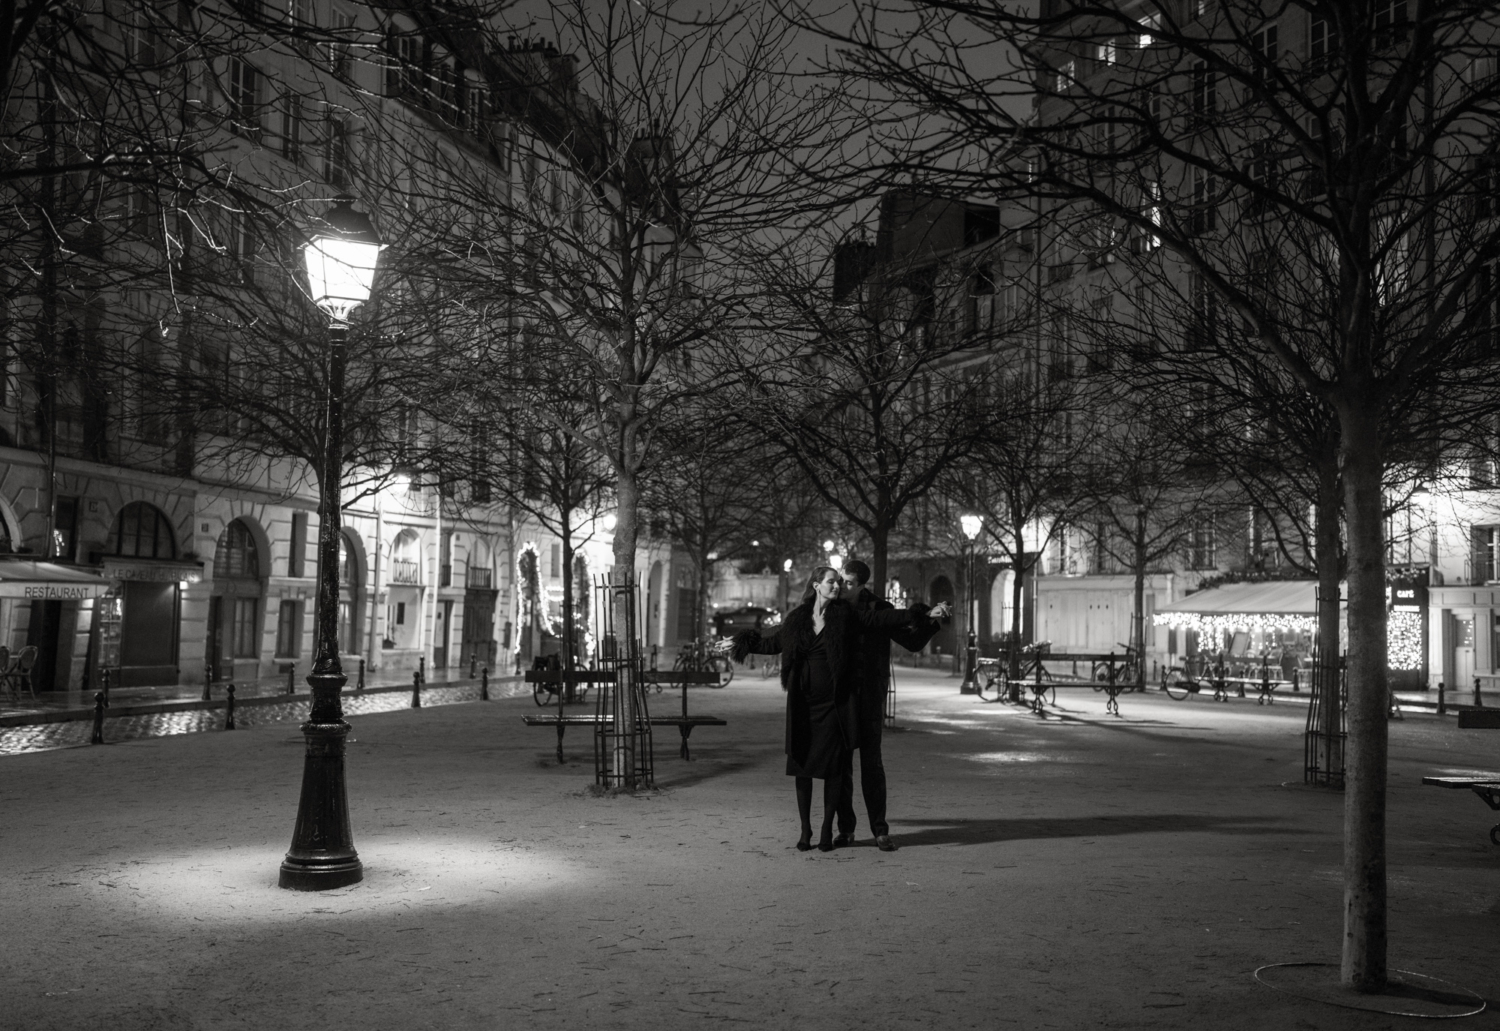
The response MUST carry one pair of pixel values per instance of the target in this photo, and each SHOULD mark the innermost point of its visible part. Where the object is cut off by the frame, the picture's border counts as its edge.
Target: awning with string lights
(1286, 605)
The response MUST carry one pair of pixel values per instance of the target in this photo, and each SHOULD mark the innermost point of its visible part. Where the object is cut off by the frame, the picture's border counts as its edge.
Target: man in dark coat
(874, 685)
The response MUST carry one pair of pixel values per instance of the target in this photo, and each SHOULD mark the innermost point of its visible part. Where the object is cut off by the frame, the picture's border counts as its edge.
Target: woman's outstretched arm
(750, 642)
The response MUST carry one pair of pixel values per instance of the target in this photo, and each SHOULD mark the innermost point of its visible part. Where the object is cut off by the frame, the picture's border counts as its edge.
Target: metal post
(1442, 702)
(422, 668)
(229, 708)
(416, 690)
(359, 685)
(484, 684)
(322, 854)
(97, 738)
(291, 683)
(970, 683)
(106, 687)
(1478, 701)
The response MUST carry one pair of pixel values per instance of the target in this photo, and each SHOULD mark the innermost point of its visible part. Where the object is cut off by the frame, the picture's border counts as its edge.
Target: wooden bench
(684, 723)
(1487, 787)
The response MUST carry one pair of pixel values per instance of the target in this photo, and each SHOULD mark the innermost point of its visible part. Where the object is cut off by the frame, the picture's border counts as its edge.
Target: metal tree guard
(1327, 731)
(623, 756)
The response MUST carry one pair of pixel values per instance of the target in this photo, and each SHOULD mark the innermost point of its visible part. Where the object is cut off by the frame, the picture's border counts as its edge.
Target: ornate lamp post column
(971, 525)
(341, 256)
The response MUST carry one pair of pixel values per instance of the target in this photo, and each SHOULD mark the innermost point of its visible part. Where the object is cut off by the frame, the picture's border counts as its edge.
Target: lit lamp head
(971, 525)
(341, 252)
(786, 566)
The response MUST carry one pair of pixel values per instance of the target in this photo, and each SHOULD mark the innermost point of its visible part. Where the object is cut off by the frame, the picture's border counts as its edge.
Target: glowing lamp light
(971, 525)
(836, 561)
(828, 546)
(786, 567)
(341, 256)
(610, 522)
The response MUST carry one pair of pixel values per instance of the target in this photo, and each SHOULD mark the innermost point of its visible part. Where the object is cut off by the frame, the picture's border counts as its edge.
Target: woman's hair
(817, 574)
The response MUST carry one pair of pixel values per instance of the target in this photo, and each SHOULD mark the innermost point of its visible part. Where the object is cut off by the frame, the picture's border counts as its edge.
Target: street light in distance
(341, 255)
(971, 525)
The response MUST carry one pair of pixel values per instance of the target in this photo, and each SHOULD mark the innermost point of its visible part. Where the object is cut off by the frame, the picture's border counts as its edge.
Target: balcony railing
(405, 571)
(480, 577)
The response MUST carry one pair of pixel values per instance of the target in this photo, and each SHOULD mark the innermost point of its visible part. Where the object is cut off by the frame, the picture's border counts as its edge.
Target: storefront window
(143, 531)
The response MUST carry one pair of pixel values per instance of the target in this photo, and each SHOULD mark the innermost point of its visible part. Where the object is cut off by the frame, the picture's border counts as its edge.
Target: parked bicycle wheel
(1101, 675)
(541, 693)
(1049, 695)
(1176, 684)
(725, 666)
(992, 688)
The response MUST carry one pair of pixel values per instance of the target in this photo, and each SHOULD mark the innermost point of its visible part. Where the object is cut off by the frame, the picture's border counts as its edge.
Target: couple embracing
(835, 667)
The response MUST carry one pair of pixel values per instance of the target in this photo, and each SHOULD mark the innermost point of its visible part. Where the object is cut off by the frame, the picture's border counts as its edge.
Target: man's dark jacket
(875, 650)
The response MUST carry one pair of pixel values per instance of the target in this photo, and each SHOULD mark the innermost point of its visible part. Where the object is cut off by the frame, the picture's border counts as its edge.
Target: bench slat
(577, 676)
(675, 678)
(1479, 719)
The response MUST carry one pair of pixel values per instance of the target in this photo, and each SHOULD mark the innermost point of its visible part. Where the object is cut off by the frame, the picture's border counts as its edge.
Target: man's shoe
(843, 841)
(884, 843)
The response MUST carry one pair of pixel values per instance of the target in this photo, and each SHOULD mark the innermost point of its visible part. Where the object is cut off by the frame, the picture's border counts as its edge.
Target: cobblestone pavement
(47, 736)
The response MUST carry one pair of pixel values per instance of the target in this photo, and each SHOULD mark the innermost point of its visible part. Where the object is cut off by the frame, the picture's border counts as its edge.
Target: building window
(289, 629)
(293, 128)
(1264, 43)
(65, 529)
(1483, 544)
(1203, 216)
(296, 558)
(336, 153)
(1202, 546)
(245, 84)
(242, 630)
(143, 531)
(1205, 91)
(236, 556)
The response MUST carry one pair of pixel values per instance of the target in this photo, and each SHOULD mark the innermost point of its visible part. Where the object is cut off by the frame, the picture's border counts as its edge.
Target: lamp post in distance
(340, 255)
(971, 525)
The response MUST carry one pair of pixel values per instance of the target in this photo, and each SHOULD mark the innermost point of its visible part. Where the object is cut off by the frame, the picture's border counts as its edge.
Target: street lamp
(340, 255)
(971, 525)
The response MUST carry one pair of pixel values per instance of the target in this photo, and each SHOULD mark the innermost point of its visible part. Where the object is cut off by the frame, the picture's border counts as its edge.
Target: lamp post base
(322, 855)
(970, 683)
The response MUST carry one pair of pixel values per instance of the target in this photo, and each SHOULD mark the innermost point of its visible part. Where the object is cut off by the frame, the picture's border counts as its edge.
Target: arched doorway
(941, 590)
(234, 612)
(137, 625)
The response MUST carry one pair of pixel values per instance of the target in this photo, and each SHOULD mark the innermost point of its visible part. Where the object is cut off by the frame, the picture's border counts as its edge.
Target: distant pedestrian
(819, 646)
(874, 686)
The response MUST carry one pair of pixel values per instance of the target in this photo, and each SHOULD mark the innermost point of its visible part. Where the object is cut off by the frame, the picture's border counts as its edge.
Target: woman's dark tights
(832, 786)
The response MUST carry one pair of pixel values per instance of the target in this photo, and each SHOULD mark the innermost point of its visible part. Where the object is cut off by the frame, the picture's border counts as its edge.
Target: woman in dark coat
(820, 654)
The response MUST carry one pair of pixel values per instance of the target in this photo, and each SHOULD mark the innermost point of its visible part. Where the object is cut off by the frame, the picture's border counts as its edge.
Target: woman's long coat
(842, 626)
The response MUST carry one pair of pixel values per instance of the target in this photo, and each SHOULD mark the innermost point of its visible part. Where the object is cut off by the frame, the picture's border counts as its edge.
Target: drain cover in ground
(1407, 995)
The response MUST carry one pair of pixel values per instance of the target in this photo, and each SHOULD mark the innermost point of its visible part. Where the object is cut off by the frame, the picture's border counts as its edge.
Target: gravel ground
(1070, 872)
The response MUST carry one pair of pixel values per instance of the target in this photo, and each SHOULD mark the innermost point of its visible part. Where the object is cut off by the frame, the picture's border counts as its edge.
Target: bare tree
(1371, 136)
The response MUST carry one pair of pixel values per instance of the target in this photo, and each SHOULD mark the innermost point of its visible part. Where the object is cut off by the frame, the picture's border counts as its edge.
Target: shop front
(49, 607)
(1245, 625)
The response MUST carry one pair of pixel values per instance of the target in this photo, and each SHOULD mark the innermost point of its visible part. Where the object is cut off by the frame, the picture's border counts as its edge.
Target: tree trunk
(700, 617)
(880, 542)
(569, 634)
(1017, 598)
(627, 500)
(1364, 956)
(1138, 617)
(1326, 555)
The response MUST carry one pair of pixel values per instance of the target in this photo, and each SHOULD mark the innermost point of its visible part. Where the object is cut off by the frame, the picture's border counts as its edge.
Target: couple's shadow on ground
(915, 833)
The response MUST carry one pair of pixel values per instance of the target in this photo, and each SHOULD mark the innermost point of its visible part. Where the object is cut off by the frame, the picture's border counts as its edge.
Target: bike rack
(623, 755)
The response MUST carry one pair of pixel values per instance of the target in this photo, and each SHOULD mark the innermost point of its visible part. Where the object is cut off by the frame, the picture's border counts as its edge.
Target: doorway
(42, 633)
(441, 621)
(1463, 652)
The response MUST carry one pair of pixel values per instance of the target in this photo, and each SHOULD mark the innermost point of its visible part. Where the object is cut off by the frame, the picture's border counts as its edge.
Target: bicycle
(1180, 681)
(1125, 670)
(712, 657)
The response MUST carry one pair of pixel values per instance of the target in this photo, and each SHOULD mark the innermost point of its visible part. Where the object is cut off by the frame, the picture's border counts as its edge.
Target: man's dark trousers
(871, 771)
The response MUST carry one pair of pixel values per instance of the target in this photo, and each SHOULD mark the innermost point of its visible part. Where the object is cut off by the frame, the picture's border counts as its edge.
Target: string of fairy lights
(1403, 630)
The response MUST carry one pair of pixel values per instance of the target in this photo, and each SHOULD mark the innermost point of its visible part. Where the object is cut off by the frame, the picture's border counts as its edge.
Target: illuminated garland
(1403, 641)
(1231, 622)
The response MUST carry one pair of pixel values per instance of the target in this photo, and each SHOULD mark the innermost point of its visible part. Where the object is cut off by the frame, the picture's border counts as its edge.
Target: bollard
(416, 690)
(1478, 701)
(229, 708)
(208, 680)
(1442, 702)
(97, 738)
(359, 685)
(484, 685)
(106, 687)
(291, 678)
(473, 665)
(422, 668)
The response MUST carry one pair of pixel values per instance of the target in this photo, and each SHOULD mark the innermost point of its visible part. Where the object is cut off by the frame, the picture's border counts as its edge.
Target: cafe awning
(1265, 605)
(48, 581)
